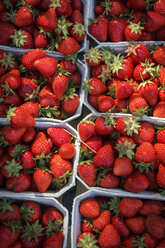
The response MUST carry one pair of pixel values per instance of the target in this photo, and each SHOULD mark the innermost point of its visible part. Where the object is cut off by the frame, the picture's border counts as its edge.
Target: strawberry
(121, 104)
(99, 29)
(136, 182)
(17, 244)
(153, 21)
(109, 180)
(42, 180)
(104, 125)
(116, 29)
(87, 238)
(77, 17)
(5, 233)
(104, 157)
(155, 226)
(120, 226)
(114, 7)
(89, 208)
(27, 89)
(95, 143)
(159, 110)
(123, 90)
(60, 85)
(129, 207)
(22, 39)
(40, 145)
(31, 107)
(138, 53)
(32, 2)
(3, 109)
(30, 57)
(140, 5)
(27, 160)
(19, 183)
(109, 237)
(86, 130)
(151, 176)
(123, 166)
(47, 98)
(125, 146)
(9, 211)
(29, 135)
(87, 172)
(145, 154)
(59, 166)
(105, 103)
(59, 136)
(159, 7)
(149, 91)
(23, 17)
(122, 68)
(102, 220)
(133, 31)
(137, 16)
(77, 4)
(94, 86)
(127, 126)
(31, 211)
(150, 242)
(20, 118)
(159, 55)
(68, 46)
(13, 135)
(146, 133)
(160, 176)
(159, 152)
(160, 34)
(70, 103)
(151, 207)
(161, 243)
(51, 215)
(136, 224)
(48, 21)
(7, 30)
(67, 151)
(68, 65)
(93, 56)
(78, 32)
(146, 36)
(161, 136)
(11, 168)
(63, 9)
(40, 40)
(46, 66)
(162, 76)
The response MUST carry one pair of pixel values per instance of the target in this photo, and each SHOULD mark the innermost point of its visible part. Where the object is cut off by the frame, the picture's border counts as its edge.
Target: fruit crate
(81, 69)
(71, 181)
(91, 15)
(119, 48)
(47, 202)
(93, 117)
(76, 216)
(83, 46)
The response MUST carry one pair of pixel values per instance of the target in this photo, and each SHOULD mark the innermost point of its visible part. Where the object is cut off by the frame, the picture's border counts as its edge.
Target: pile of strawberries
(30, 225)
(126, 222)
(122, 153)
(126, 20)
(131, 83)
(32, 160)
(37, 86)
(52, 25)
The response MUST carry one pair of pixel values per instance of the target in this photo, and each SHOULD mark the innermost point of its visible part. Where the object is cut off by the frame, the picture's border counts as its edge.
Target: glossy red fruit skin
(90, 208)
(20, 183)
(34, 206)
(116, 29)
(99, 30)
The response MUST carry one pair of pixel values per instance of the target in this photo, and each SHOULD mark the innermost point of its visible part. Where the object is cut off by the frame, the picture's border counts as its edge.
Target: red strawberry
(93, 56)
(116, 29)
(129, 207)
(47, 97)
(13, 135)
(140, 5)
(138, 53)
(27, 89)
(41, 145)
(114, 7)
(68, 65)
(67, 151)
(137, 16)
(29, 135)
(137, 103)
(46, 66)
(136, 182)
(40, 40)
(17, 244)
(9, 211)
(99, 29)
(161, 136)
(133, 31)
(104, 157)
(77, 17)
(56, 240)
(123, 90)
(104, 125)
(127, 126)
(120, 226)
(151, 176)
(7, 30)
(5, 233)
(86, 130)
(121, 104)
(12, 79)
(109, 180)
(146, 133)
(60, 85)
(155, 226)
(151, 207)
(88, 173)
(149, 91)
(89, 208)
(48, 21)
(70, 103)
(145, 153)
(31, 211)
(123, 166)
(22, 39)
(161, 244)
(59, 136)
(95, 143)
(105, 103)
(146, 36)
(159, 110)
(159, 55)
(27, 160)
(102, 220)
(122, 68)
(161, 176)
(42, 180)
(160, 34)
(159, 7)
(31, 107)
(150, 242)
(162, 76)
(30, 57)
(109, 237)
(78, 32)
(51, 215)
(59, 166)
(136, 224)
(68, 46)
(94, 86)
(159, 148)
(23, 17)
(153, 21)
(86, 226)
(19, 183)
